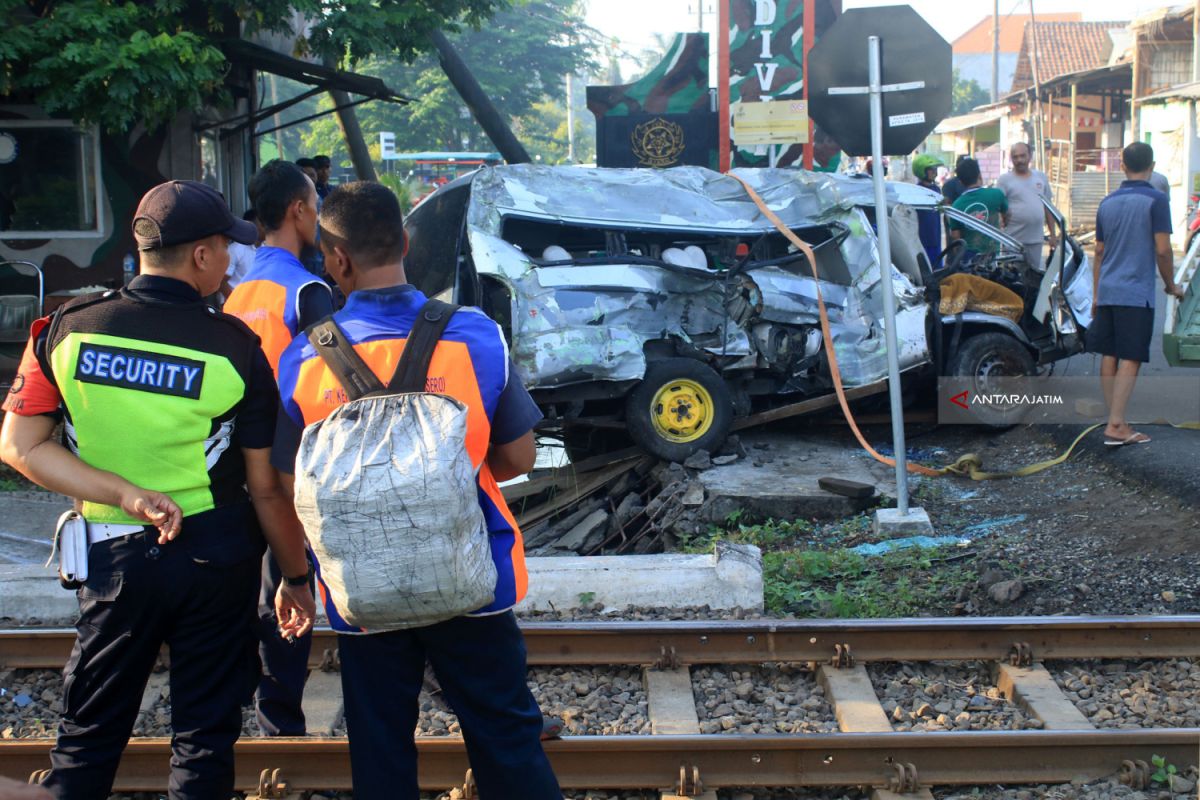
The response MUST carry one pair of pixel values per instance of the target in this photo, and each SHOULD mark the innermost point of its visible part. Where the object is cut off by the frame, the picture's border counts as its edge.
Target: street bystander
(1133, 237)
(1025, 189)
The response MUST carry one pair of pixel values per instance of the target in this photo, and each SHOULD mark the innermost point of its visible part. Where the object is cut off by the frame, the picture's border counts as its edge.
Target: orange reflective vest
(268, 299)
(469, 364)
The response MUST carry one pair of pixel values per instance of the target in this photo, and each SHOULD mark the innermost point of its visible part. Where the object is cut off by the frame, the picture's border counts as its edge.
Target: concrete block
(29, 593)
(889, 523)
(729, 578)
(779, 479)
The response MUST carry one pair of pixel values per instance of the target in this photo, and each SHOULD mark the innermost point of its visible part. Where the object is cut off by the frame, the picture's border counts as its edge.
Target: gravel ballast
(945, 697)
(768, 699)
(1134, 694)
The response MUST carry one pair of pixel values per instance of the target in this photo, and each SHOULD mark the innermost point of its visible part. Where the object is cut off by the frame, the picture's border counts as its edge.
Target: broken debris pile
(615, 504)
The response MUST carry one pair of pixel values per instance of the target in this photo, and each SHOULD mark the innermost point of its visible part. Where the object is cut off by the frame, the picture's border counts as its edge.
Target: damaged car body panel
(663, 303)
(600, 267)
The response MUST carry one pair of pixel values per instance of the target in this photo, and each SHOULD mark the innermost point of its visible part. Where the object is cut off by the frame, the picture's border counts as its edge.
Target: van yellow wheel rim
(682, 411)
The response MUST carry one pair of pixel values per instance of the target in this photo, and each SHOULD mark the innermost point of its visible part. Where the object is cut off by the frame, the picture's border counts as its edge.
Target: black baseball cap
(187, 211)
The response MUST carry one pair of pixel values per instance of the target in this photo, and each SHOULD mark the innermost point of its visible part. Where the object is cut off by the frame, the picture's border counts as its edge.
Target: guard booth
(68, 192)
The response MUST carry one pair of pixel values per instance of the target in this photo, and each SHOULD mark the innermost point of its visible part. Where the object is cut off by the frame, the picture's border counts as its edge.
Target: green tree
(521, 59)
(119, 63)
(967, 94)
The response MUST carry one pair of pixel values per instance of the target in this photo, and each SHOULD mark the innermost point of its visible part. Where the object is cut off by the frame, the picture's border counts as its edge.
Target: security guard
(278, 298)
(169, 413)
(478, 658)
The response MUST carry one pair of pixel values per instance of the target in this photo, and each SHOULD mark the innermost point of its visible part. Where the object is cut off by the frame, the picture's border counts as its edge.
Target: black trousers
(138, 596)
(284, 663)
(480, 664)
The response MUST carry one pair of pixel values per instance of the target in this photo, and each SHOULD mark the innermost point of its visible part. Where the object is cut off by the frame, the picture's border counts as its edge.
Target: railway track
(867, 752)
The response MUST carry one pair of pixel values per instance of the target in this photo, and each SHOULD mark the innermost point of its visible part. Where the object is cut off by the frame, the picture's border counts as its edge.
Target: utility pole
(347, 118)
(486, 114)
(1037, 90)
(996, 50)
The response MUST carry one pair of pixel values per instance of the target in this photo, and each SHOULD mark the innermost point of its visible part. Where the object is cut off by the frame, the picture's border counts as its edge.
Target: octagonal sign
(911, 52)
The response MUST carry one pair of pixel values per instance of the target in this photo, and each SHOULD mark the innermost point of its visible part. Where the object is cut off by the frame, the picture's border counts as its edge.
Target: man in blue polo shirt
(1133, 236)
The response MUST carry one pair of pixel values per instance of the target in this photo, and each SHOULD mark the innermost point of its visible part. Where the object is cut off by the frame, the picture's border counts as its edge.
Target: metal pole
(996, 51)
(885, 274)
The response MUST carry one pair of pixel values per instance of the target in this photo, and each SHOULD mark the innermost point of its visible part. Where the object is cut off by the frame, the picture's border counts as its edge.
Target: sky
(633, 22)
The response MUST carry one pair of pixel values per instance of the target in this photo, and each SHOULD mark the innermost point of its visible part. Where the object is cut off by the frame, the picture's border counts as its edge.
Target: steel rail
(644, 762)
(731, 642)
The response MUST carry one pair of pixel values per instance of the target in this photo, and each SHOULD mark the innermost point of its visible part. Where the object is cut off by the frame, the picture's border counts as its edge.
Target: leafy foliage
(967, 94)
(120, 63)
(520, 59)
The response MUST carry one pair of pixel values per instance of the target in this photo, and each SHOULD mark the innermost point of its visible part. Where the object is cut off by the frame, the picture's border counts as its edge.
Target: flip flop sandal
(1136, 438)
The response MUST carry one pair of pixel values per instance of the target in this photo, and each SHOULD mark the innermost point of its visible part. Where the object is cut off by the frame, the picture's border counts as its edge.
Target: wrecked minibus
(663, 303)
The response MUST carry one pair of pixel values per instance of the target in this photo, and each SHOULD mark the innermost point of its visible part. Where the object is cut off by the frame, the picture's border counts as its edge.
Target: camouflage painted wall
(766, 62)
(664, 118)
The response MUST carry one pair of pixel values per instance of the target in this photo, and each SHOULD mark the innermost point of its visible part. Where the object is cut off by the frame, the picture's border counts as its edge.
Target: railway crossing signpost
(848, 97)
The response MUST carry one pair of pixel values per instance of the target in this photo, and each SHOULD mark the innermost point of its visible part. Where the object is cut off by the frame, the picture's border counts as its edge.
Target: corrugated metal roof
(971, 120)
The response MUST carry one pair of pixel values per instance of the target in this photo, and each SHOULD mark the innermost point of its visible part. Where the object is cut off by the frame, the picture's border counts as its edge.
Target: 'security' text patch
(139, 370)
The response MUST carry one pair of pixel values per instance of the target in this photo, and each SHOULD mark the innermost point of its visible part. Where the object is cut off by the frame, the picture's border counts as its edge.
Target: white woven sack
(386, 491)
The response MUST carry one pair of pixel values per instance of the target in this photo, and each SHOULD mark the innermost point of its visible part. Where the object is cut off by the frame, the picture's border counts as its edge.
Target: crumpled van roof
(679, 198)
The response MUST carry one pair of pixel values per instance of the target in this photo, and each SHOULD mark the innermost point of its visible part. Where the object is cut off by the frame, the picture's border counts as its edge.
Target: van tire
(680, 407)
(987, 355)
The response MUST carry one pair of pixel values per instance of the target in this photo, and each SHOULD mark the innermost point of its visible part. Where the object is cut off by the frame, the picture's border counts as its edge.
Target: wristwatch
(300, 580)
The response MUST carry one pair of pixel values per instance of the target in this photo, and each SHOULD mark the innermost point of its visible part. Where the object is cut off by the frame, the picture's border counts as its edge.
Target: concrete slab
(729, 578)
(31, 594)
(672, 706)
(778, 479)
(322, 703)
(889, 523)
(27, 521)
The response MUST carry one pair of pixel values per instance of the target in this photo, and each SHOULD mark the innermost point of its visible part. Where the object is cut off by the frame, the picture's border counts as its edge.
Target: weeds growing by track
(806, 573)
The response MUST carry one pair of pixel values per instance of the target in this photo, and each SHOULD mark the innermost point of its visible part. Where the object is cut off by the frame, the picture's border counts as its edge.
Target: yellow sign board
(770, 122)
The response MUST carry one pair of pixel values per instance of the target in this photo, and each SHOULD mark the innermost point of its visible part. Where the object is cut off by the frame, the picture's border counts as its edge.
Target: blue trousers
(480, 664)
(138, 596)
(284, 663)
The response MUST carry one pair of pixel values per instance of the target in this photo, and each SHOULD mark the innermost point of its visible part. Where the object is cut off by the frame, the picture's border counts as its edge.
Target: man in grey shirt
(1025, 188)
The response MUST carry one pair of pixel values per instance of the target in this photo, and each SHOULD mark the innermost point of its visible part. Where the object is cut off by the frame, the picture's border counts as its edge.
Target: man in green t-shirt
(983, 203)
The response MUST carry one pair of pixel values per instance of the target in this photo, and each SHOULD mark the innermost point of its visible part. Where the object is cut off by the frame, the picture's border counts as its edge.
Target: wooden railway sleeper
(1020, 654)
(904, 778)
(842, 659)
(1135, 774)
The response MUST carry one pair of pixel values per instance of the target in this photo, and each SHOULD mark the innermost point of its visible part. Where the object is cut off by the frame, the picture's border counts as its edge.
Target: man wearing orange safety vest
(279, 298)
(478, 658)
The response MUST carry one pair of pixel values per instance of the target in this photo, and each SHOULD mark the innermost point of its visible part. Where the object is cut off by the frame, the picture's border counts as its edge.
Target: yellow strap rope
(969, 465)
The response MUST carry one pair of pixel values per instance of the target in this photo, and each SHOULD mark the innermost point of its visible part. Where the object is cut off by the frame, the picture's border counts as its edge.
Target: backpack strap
(413, 368)
(346, 365)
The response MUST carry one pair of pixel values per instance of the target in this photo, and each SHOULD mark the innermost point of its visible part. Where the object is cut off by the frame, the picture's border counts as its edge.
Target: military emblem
(657, 143)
